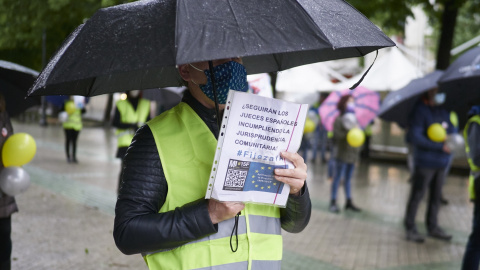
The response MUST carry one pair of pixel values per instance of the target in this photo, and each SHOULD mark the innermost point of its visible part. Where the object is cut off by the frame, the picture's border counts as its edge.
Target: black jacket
(138, 225)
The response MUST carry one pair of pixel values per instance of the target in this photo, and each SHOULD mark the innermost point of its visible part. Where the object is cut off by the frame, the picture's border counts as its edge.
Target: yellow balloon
(18, 150)
(355, 137)
(309, 126)
(70, 107)
(436, 132)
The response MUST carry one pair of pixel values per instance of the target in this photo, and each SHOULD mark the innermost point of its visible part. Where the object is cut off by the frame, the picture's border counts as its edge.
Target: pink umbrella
(367, 104)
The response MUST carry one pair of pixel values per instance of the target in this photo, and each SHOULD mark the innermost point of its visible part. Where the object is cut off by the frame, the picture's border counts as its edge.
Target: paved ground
(66, 216)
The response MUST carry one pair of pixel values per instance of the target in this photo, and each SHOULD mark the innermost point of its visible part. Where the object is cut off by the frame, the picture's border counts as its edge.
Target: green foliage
(23, 22)
(390, 15)
(468, 22)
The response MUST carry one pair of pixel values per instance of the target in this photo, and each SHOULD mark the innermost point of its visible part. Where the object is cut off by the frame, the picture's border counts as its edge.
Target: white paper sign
(254, 131)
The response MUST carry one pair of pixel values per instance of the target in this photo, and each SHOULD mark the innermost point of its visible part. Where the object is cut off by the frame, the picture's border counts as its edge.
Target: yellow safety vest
(473, 167)
(130, 116)
(74, 120)
(187, 148)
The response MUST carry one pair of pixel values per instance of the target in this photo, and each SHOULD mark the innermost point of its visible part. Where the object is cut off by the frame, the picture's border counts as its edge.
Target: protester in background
(430, 160)
(471, 134)
(130, 114)
(454, 121)
(8, 205)
(72, 127)
(345, 157)
(161, 210)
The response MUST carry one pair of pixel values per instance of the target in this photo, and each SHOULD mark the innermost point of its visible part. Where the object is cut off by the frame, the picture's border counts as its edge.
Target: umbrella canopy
(367, 104)
(138, 45)
(15, 80)
(461, 83)
(397, 105)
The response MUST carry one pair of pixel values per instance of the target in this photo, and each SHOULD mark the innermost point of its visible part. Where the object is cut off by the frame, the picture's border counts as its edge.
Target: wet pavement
(66, 216)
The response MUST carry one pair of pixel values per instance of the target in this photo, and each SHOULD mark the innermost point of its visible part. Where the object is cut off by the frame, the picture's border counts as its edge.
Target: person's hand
(295, 178)
(446, 149)
(220, 211)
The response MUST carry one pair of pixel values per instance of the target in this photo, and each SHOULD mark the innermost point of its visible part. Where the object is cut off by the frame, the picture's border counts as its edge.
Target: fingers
(295, 158)
(295, 178)
(220, 211)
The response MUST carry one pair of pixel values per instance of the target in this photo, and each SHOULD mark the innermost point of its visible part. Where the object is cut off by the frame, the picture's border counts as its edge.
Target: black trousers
(424, 179)
(71, 139)
(471, 257)
(5, 243)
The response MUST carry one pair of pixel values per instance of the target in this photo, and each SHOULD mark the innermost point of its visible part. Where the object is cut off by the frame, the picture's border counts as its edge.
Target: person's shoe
(414, 236)
(69, 160)
(443, 201)
(75, 160)
(439, 234)
(333, 207)
(351, 206)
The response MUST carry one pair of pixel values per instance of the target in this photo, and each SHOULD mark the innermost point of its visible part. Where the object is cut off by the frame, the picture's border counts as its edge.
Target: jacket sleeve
(339, 132)
(117, 121)
(474, 143)
(138, 226)
(417, 132)
(295, 217)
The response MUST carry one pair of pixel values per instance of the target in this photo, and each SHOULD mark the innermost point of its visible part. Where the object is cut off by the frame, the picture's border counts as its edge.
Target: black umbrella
(461, 83)
(15, 80)
(138, 45)
(397, 105)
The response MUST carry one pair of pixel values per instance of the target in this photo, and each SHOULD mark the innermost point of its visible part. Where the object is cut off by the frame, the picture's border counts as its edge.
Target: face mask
(350, 107)
(134, 93)
(439, 98)
(230, 75)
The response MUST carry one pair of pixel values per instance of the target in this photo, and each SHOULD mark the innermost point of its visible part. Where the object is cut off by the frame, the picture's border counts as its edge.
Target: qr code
(236, 175)
(235, 178)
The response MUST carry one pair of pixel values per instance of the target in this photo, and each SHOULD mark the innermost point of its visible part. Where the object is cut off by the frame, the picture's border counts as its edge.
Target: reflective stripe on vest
(131, 116)
(187, 147)
(473, 167)
(74, 121)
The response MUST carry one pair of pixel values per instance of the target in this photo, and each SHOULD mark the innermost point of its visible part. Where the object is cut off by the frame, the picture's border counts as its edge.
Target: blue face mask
(440, 98)
(230, 75)
(350, 107)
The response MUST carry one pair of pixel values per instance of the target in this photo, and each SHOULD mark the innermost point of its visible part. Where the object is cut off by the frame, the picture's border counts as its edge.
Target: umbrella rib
(314, 23)
(238, 26)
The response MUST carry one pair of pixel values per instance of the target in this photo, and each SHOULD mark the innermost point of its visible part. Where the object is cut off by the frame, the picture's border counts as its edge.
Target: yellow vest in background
(74, 120)
(473, 167)
(131, 116)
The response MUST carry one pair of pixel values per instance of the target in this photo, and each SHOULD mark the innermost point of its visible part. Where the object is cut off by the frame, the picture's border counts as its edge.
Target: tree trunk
(108, 110)
(449, 19)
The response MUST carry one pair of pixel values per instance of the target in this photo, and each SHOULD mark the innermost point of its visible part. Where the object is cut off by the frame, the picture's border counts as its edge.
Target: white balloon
(455, 142)
(14, 180)
(349, 121)
(62, 117)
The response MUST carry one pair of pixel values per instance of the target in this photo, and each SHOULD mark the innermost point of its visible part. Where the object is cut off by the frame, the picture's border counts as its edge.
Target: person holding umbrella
(431, 156)
(8, 205)
(130, 113)
(471, 134)
(161, 211)
(345, 156)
